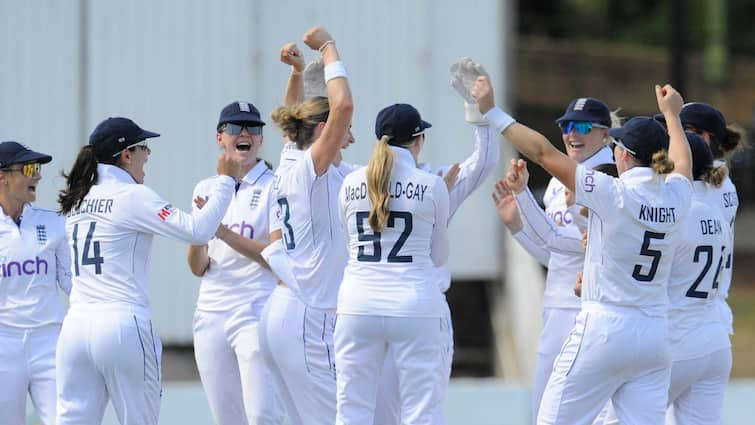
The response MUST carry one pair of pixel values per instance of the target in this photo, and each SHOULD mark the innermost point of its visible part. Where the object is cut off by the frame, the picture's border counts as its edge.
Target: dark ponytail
(79, 180)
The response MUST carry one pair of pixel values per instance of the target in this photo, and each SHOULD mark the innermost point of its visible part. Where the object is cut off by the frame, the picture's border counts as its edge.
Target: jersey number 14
(91, 252)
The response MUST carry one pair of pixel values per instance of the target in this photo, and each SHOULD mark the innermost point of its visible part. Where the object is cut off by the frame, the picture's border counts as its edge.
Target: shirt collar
(637, 174)
(112, 173)
(403, 156)
(256, 172)
(603, 156)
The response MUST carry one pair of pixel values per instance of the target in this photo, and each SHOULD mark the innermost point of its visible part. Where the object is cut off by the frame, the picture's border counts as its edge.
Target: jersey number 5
(86, 260)
(652, 253)
(377, 250)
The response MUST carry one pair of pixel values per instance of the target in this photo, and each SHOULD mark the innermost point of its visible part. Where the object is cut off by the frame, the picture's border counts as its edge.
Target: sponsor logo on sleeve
(165, 212)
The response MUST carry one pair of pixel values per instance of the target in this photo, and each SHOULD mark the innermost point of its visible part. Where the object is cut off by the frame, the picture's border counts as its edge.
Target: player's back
(391, 272)
(694, 323)
(312, 234)
(632, 230)
(110, 258)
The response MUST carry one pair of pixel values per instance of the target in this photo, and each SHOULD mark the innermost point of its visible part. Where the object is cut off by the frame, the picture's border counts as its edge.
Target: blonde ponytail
(378, 179)
(661, 163)
(715, 176)
(299, 121)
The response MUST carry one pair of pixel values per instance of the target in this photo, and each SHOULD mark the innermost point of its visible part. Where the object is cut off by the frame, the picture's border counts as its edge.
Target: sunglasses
(236, 129)
(618, 142)
(581, 127)
(28, 170)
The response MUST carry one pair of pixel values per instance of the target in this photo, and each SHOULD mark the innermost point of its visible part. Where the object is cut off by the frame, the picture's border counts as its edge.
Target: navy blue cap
(15, 153)
(401, 122)
(642, 137)
(113, 135)
(703, 116)
(661, 119)
(702, 157)
(587, 109)
(240, 113)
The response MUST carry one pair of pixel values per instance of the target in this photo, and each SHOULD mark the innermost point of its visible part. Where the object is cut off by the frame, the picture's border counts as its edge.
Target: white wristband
(335, 70)
(499, 119)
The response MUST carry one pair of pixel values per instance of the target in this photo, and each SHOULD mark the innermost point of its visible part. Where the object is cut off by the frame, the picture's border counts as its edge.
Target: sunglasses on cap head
(28, 170)
(617, 142)
(581, 127)
(236, 129)
(143, 146)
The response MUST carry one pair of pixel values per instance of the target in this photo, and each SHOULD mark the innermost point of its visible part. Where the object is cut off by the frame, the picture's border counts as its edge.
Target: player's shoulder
(357, 174)
(43, 214)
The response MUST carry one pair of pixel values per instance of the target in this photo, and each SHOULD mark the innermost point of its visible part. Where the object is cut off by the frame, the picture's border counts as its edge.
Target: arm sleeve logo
(165, 212)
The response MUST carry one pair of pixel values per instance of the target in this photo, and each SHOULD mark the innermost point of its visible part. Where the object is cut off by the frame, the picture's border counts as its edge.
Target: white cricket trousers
(108, 351)
(616, 353)
(388, 403)
(557, 326)
(362, 343)
(234, 375)
(297, 344)
(27, 364)
(696, 393)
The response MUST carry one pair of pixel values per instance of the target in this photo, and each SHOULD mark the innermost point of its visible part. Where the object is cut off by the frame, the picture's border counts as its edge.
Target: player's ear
(124, 157)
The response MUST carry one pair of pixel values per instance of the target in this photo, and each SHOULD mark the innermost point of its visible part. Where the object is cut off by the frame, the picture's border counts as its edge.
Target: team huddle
(322, 282)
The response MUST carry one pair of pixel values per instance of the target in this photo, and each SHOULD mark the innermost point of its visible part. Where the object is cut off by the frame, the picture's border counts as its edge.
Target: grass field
(742, 301)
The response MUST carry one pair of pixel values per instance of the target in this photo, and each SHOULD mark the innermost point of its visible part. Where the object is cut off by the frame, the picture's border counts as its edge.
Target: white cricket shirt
(563, 265)
(472, 173)
(313, 238)
(695, 327)
(633, 225)
(393, 272)
(110, 235)
(34, 266)
(233, 280)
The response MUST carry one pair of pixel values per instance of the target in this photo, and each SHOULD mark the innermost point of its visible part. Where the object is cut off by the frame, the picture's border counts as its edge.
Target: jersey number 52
(377, 249)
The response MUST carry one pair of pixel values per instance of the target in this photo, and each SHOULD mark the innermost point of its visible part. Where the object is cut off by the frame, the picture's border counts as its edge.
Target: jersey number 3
(94, 246)
(377, 250)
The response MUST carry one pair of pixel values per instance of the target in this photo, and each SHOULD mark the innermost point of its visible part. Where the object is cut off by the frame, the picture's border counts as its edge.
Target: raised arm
(529, 142)
(670, 104)
(326, 148)
(291, 55)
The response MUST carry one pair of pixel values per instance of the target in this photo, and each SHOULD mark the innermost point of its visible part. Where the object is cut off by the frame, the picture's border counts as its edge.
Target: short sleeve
(595, 190)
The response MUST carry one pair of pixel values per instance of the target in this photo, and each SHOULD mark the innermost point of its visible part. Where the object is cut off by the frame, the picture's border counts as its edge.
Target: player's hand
(578, 285)
(316, 37)
(517, 176)
(222, 232)
(482, 92)
(228, 166)
(505, 204)
(452, 175)
(669, 100)
(291, 55)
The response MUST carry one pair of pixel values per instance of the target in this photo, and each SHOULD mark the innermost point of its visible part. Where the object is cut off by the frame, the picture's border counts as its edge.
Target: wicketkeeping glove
(314, 79)
(464, 73)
